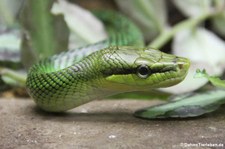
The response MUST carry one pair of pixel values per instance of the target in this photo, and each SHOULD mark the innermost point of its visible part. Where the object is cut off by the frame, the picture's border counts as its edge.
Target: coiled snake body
(118, 64)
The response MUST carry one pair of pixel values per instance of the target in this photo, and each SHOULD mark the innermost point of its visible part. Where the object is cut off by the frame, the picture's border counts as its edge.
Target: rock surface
(106, 124)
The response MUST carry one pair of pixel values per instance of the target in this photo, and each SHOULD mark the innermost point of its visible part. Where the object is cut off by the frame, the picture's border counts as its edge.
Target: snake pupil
(143, 71)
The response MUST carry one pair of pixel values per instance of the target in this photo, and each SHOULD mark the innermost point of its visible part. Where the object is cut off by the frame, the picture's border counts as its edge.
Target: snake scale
(115, 65)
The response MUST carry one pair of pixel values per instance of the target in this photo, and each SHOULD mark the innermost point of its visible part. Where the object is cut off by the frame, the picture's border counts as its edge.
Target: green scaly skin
(118, 64)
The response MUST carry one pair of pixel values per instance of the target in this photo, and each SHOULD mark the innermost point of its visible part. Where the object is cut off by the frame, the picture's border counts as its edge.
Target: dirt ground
(106, 124)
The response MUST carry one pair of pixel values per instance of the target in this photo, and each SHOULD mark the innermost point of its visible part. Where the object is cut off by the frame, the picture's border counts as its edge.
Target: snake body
(115, 65)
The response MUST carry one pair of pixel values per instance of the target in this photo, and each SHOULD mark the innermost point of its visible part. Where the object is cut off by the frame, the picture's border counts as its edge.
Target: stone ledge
(102, 124)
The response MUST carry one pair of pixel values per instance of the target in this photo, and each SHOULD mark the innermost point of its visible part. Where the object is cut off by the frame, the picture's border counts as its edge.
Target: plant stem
(166, 35)
(42, 33)
(19, 78)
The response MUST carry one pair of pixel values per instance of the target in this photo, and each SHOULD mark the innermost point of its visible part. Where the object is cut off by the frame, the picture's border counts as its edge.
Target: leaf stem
(166, 35)
(42, 33)
(19, 78)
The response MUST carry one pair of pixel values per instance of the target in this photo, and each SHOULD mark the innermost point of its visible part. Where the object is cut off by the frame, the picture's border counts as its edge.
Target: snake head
(147, 68)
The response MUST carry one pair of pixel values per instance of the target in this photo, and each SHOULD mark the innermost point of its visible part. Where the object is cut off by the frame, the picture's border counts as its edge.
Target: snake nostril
(180, 66)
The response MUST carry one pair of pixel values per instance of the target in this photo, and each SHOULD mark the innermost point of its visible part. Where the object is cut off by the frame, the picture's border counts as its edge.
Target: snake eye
(143, 71)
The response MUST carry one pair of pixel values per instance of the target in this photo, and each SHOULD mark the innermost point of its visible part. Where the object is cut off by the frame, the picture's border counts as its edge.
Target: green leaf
(45, 34)
(216, 81)
(84, 27)
(189, 105)
(150, 15)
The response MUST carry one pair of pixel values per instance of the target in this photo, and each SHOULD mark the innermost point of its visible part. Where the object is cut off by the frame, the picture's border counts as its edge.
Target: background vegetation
(31, 30)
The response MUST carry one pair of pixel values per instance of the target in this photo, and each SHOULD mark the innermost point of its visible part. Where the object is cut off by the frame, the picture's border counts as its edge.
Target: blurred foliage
(81, 32)
(215, 80)
(31, 30)
(185, 106)
(190, 104)
(150, 15)
(44, 34)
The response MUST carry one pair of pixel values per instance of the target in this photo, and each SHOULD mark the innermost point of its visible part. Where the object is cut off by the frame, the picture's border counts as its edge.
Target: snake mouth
(171, 74)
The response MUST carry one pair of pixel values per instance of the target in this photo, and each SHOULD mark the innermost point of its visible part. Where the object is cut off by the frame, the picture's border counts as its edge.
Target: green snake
(118, 64)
